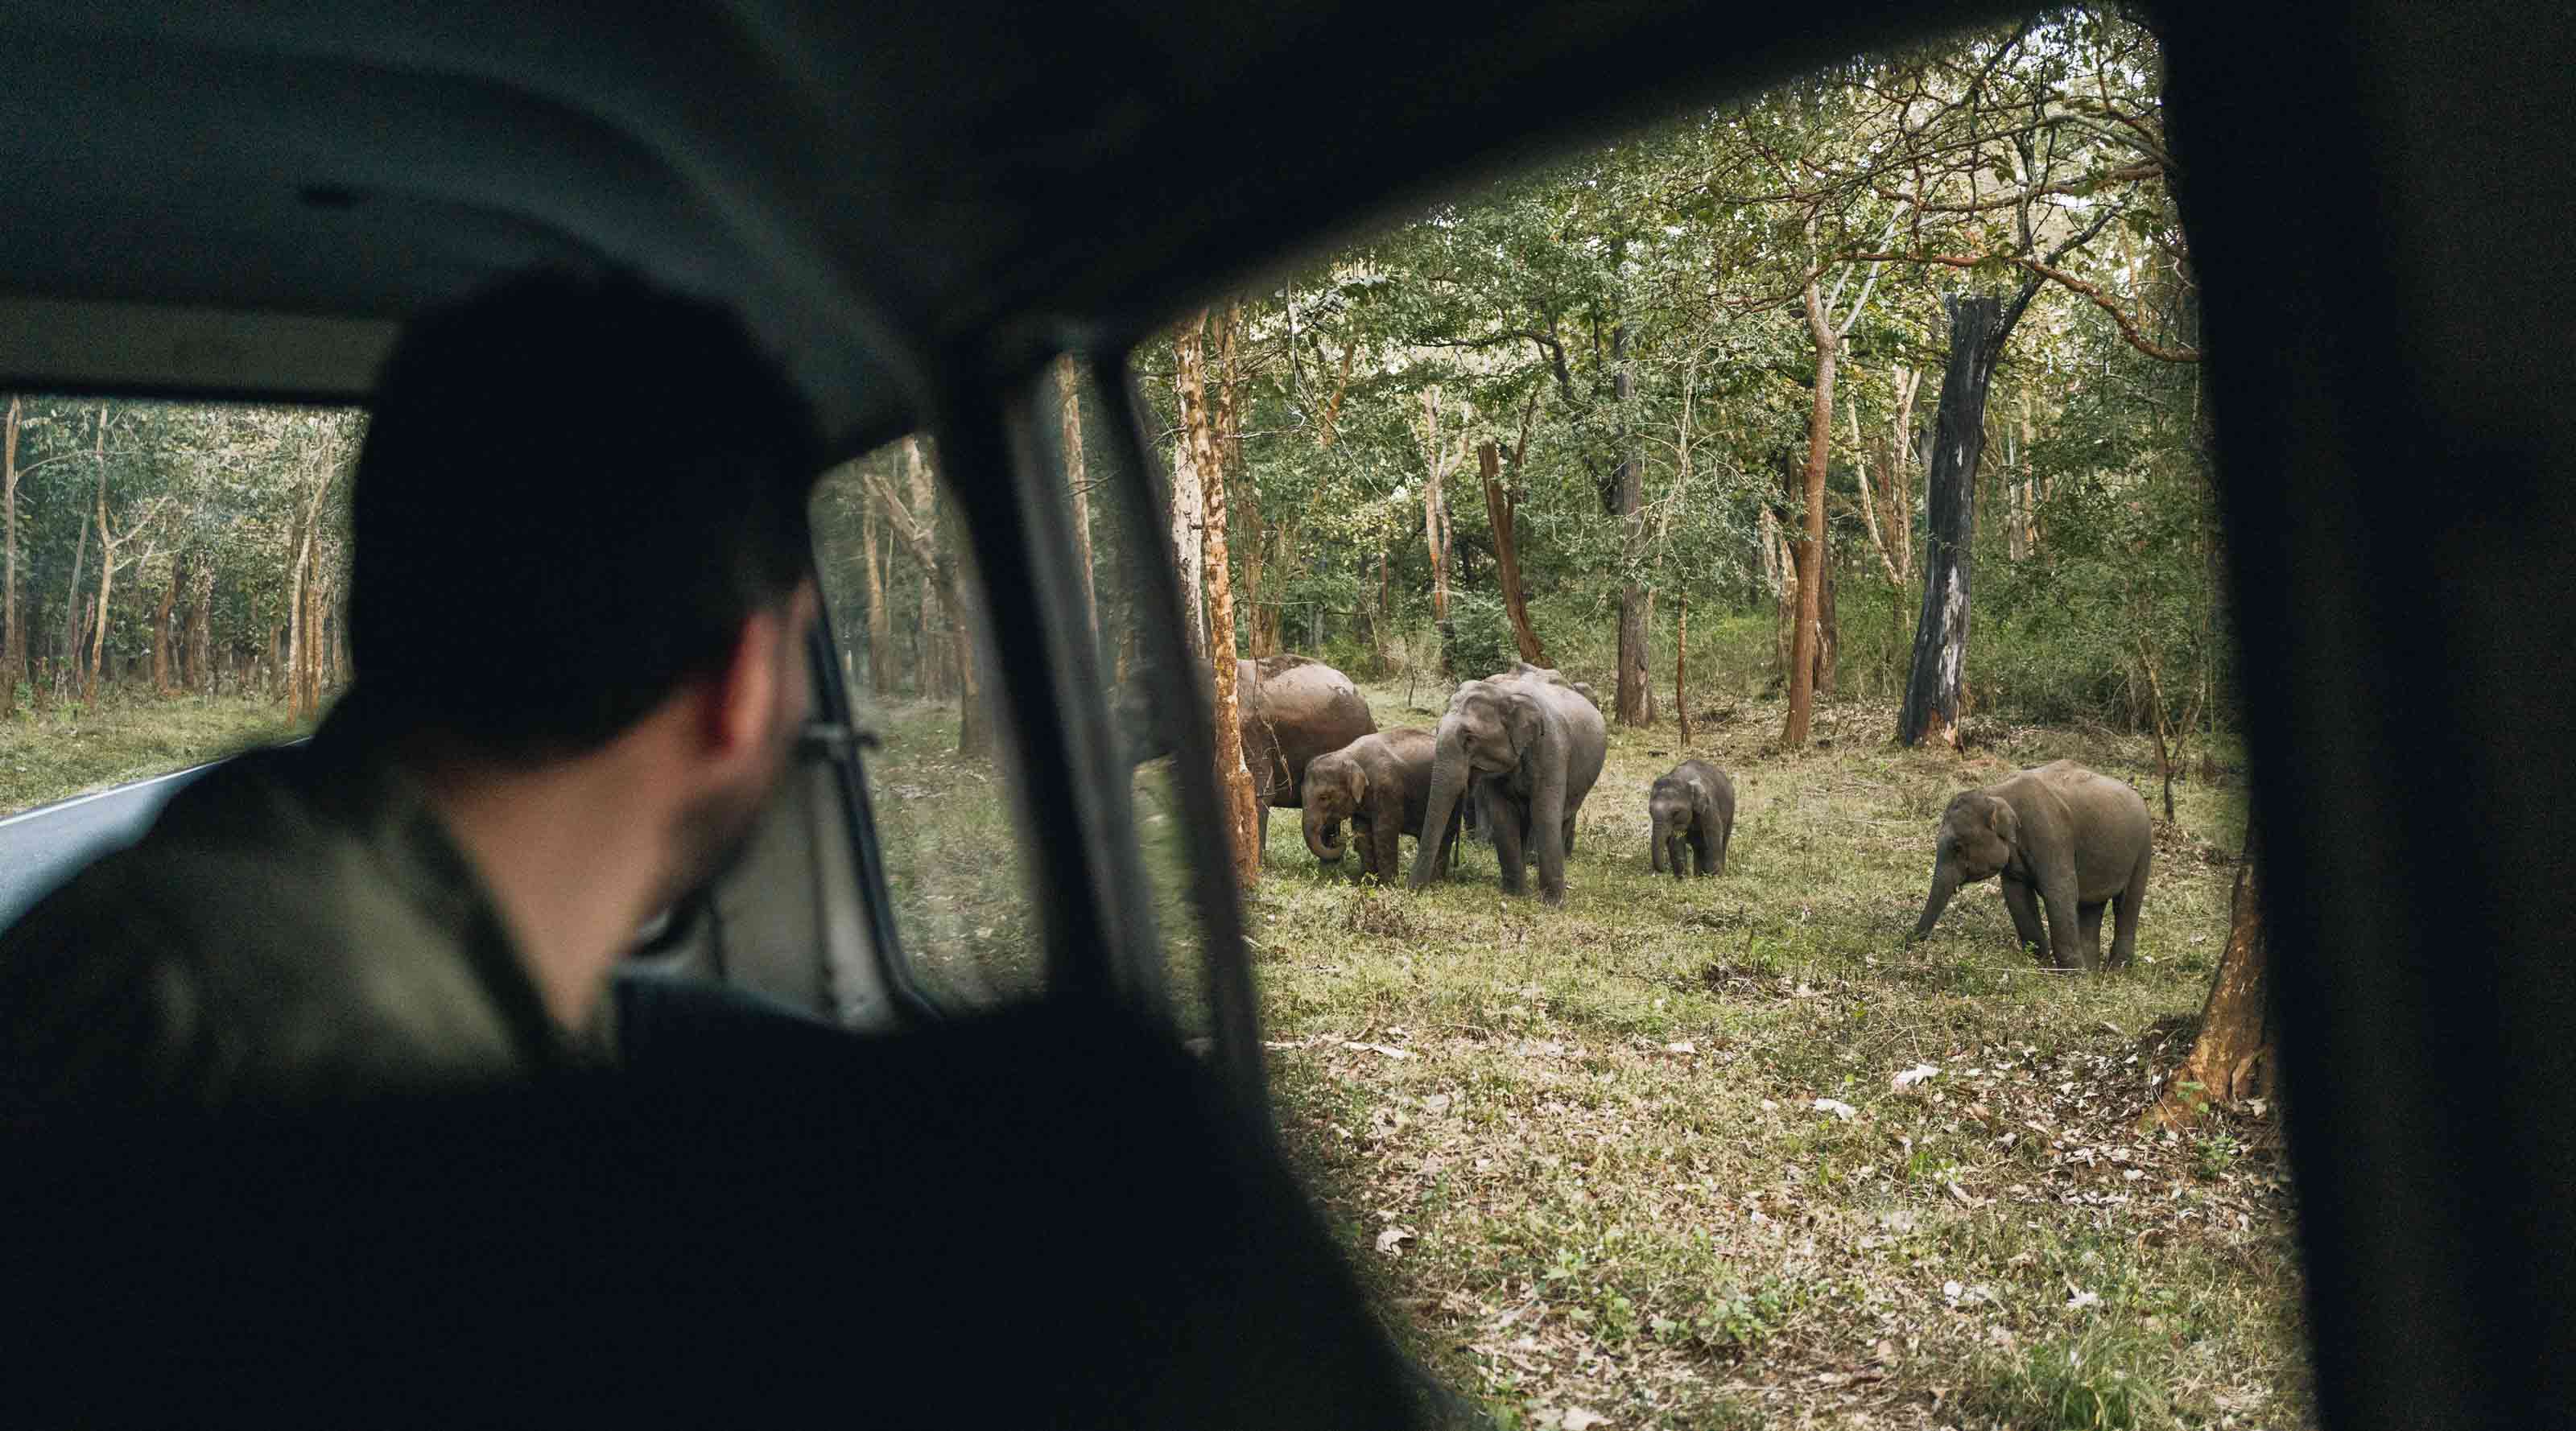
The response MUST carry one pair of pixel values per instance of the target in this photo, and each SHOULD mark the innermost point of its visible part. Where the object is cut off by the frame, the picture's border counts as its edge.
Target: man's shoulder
(252, 938)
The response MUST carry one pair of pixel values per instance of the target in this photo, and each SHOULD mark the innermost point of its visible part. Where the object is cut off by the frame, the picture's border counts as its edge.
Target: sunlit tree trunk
(1189, 515)
(1805, 633)
(1233, 779)
(1069, 383)
(880, 623)
(2232, 1058)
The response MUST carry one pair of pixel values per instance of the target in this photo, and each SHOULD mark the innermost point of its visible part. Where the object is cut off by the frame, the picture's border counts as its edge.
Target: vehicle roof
(881, 189)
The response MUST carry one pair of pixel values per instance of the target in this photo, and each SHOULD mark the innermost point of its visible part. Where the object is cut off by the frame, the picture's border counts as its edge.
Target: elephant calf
(2066, 841)
(1381, 784)
(1693, 807)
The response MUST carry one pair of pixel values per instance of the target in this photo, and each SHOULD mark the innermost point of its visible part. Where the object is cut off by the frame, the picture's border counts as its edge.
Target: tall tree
(1931, 709)
(13, 639)
(1233, 779)
(1500, 510)
(1068, 381)
(2232, 1057)
(1630, 705)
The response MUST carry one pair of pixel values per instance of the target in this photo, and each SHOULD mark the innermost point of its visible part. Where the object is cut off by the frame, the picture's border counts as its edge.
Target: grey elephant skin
(1693, 809)
(1290, 710)
(1381, 785)
(2067, 842)
(1535, 746)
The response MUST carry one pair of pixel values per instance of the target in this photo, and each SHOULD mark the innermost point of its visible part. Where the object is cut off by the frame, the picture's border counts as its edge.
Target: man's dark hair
(572, 493)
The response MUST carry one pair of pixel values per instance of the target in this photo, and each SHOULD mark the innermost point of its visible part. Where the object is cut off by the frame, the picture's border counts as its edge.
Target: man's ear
(744, 696)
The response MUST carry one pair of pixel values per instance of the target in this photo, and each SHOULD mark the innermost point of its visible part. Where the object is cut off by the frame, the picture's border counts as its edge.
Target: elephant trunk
(1678, 853)
(1945, 883)
(1324, 837)
(1448, 783)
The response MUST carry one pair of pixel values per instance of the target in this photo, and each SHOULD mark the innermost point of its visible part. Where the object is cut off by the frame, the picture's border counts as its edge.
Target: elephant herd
(1521, 749)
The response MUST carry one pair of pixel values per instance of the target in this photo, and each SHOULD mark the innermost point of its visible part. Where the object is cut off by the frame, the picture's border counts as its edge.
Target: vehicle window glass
(1122, 546)
(907, 619)
(1713, 423)
(176, 584)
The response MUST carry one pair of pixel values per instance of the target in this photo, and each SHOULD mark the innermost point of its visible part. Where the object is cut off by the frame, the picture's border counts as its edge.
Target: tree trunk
(1630, 704)
(1934, 689)
(69, 661)
(1243, 815)
(201, 625)
(1068, 381)
(161, 674)
(880, 621)
(1435, 525)
(106, 572)
(1681, 664)
(945, 570)
(1189, 515)
(1804, 636)
(2232, 1058)
(13, 636)
(930, 668)
(1500, 509)
(1829, 633)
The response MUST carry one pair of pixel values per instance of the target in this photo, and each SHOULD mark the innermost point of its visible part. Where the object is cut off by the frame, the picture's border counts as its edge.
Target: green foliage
(1480, 640)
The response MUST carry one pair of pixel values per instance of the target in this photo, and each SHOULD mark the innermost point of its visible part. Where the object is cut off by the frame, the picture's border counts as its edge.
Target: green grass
(1598, 1178)
(71, 750)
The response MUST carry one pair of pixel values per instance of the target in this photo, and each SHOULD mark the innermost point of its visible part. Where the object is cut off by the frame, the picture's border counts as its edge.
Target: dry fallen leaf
(1685, 1046)
(1389, 1050)
(1838, 1108)
(1578, 1419)
(1912, 1076)
(1390, 1241)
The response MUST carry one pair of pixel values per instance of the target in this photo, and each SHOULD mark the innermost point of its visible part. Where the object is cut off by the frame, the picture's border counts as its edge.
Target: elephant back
(1305, 709)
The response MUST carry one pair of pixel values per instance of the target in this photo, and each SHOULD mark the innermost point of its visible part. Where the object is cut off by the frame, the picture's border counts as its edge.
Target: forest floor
(1647, 1159)
(72, 750)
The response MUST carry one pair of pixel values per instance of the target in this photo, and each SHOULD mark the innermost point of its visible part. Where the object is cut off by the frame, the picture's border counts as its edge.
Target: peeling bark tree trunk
(1935, 687)
(1500, 509)
(1068, 382)
(2232, 1059)
(201, 625)
(1242, 811)
(1188, 516)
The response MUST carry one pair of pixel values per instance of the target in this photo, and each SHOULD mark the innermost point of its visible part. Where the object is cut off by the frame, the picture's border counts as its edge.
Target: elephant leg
(2090, 915)
(1724, 838)
(1506, 825)
(1386, 842)
(1707, 850)
(2066, 947)
(2024, 904)
(2124, 930)
(1261, 827)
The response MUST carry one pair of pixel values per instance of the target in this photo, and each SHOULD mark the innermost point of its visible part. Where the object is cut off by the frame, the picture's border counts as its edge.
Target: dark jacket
(296, 925)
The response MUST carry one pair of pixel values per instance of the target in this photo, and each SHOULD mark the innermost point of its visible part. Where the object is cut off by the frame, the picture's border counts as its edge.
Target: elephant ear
(1355, 784)
(1522, 716)
(2006, 823)
(1704, 807)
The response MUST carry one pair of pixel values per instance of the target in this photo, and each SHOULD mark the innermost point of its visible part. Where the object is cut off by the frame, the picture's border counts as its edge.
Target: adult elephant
(1534, 745)
(2066, 841)
(1290, 709)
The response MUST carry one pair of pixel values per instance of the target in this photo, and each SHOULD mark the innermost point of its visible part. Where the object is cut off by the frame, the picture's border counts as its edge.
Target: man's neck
(569, 856)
